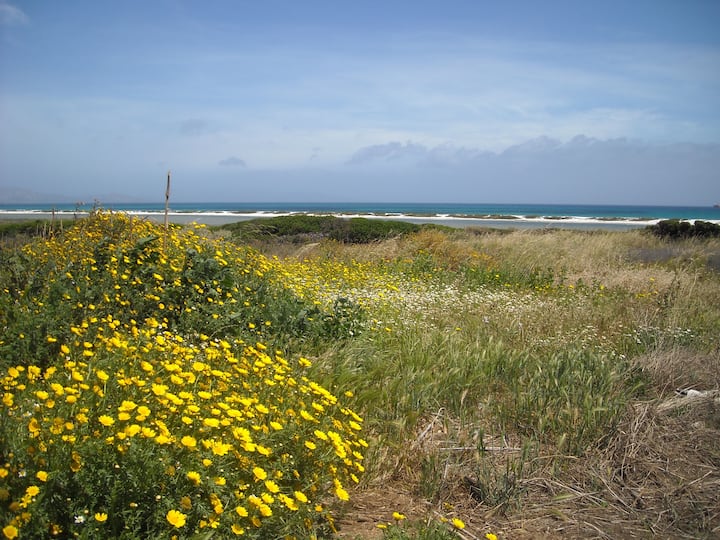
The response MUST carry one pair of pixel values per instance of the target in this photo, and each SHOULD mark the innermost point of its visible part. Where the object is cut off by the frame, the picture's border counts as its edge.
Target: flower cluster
(135, 420)
(143, 401)
(111, 264)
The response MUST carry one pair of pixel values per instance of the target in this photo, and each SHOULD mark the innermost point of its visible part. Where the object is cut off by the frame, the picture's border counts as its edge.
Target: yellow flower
(188, 441)
(42, 476)
(300, 496)
(271, 486)
(75, 462)
(142, 410)
(259, 473)
(397, 516)
(34, 427)
(106, 420)
(491, 536)
(159, 389)
(10, 532)
(127, 405)
(194, 477)
(342, 494)
(176, 518)
(101, 517)
(458, 523)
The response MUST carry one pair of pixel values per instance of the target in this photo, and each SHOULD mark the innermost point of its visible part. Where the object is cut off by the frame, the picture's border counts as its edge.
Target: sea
(452, 214)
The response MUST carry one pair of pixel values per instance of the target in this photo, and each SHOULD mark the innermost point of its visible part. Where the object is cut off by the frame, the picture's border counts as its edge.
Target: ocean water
(602, 212)
(451, 214)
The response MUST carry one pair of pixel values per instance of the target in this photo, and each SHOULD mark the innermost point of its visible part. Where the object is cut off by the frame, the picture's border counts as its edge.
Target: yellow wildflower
(106, 420)
(259, 473)
(176, 518)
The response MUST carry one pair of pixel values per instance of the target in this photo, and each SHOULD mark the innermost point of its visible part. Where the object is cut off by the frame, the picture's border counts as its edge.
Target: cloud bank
(232, 161)
(582, 169)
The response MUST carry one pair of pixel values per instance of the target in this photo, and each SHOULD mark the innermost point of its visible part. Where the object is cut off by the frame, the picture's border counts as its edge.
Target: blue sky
(453, 101)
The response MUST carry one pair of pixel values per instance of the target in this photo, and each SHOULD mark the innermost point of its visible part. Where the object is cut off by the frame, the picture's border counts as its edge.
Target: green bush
(145, 393)
(109, 264)
(301, 227)
(677, 229)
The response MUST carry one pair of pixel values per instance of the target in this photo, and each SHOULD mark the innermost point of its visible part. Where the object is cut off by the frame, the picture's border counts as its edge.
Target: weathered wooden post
(167, 204)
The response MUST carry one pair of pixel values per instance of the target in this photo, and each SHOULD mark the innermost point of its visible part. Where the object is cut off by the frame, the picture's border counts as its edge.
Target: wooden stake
(167, 204)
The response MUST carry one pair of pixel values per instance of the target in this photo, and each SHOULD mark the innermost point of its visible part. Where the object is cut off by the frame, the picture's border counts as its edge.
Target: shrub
(141, 398)
(676, 229)
(301, 227)
(154, 434)
(110, 264)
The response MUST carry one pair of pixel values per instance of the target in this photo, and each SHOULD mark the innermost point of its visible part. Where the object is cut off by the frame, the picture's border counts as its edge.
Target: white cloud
(11, 15)
(232, 161)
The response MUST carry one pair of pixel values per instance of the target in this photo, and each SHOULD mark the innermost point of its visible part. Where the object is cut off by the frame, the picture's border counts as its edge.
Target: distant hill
(16, 195)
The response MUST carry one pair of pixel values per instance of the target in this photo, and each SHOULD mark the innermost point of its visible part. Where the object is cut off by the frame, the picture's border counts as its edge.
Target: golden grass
(450, 393)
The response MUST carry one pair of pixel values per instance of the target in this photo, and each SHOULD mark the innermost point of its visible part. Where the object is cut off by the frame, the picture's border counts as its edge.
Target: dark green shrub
(676, 229)
(301, 228)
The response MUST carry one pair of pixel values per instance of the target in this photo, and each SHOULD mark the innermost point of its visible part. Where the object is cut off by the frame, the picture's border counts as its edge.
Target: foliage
(112, 265)
(490, 369)
(31, 228)
(17, 233)
(140, 402)
(674, 229)
(401, 530)
(300, 227)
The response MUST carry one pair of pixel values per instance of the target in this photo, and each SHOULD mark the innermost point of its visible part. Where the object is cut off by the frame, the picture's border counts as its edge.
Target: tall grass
(523, 354)
(499, 374)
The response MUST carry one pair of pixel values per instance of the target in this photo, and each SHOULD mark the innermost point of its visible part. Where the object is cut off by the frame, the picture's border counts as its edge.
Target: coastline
(458, 221)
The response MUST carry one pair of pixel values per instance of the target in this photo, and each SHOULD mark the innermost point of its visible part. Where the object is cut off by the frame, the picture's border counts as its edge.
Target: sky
(478, 101)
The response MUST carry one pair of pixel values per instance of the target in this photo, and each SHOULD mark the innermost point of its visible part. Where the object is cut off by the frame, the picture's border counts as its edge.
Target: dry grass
(658, 476)
(440, 449)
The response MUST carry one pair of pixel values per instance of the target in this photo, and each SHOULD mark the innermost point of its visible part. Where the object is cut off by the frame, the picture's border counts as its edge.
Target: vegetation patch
(497, 384)
(673, 229)
(302, 228)
(141, 398)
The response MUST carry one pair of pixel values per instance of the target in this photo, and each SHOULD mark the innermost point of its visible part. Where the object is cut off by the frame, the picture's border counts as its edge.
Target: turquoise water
(410, 209)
